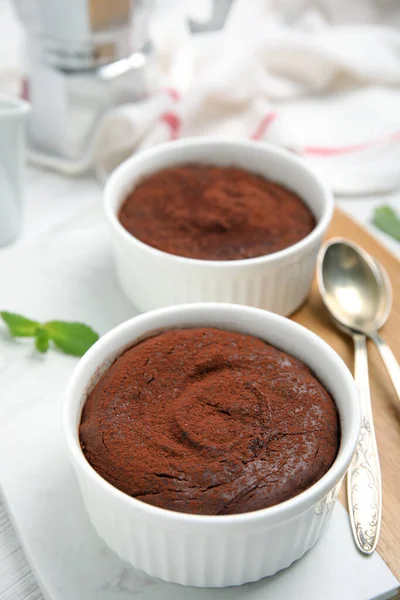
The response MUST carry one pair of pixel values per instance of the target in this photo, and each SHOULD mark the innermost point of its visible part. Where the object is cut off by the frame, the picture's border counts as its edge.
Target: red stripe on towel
(339, 150)
(172, 93)
(173, 122)
(263, 125)
(25, 89)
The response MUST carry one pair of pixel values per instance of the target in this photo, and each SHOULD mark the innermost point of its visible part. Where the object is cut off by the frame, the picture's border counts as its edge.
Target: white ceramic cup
(212, 551)
(278, 282)
(13, 114)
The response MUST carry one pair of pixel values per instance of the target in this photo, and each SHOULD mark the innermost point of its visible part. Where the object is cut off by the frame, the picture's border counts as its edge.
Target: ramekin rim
(279, 512)
(282, 255)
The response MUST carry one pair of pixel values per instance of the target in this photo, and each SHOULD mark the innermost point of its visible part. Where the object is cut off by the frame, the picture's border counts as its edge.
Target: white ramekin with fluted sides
(212, 551)
(278, 282)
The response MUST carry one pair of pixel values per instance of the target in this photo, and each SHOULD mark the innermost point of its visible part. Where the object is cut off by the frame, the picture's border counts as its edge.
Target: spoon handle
(390, 361)
(364, 488)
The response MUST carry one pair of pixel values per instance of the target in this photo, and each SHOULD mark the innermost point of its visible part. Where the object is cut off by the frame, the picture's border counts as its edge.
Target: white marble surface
(61, 267)
(66, 270)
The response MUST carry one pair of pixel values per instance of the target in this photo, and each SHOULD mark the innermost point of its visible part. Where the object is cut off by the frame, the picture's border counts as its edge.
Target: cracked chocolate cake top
(215, 213)
(209, 422)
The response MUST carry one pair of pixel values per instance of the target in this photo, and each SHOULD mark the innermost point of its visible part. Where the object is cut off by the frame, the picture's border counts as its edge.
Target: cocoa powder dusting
(210, 422)
(215, 213)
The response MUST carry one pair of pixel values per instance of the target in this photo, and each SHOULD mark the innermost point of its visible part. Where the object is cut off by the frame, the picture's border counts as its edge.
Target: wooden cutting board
(385, 405)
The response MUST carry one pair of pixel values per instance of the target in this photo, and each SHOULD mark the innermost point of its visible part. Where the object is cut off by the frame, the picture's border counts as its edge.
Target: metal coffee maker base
(80, 64)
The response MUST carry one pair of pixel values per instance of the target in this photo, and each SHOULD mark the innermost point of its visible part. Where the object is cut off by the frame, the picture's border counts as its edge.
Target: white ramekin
(212, 551)
(278, 282)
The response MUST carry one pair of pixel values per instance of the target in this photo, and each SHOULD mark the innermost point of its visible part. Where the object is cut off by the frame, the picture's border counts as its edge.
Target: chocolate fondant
(210, 422)
(215, 213)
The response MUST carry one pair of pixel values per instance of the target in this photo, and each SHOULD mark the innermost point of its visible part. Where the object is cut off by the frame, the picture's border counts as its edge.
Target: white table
(51, 201)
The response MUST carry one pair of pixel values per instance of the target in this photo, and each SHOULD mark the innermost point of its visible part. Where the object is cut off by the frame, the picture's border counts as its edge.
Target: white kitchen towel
(319, 77)
(298, 74)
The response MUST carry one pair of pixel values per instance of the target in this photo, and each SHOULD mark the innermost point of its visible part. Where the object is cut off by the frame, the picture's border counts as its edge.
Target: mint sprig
(41, 340)
(387, 220)
(19, 326)
(71, 338)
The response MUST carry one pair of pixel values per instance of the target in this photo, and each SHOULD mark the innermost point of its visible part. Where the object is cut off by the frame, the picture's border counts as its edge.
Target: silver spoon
(387, 355)
(349, 282)
(375, 298)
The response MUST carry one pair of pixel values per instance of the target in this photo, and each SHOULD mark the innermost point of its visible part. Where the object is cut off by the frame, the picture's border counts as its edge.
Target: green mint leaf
(19, 326)
(42, 340)
(71, 338)
(387, 220)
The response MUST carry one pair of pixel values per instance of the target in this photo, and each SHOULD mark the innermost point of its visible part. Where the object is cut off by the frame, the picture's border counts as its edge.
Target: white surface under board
(70, 268)
(51, 201)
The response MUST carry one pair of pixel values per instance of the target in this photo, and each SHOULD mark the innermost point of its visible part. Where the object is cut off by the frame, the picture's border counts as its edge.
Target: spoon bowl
(358, 294)
(387, 296)
(353, 288)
